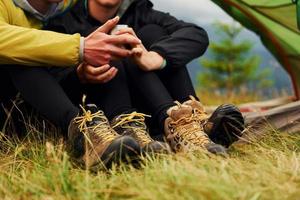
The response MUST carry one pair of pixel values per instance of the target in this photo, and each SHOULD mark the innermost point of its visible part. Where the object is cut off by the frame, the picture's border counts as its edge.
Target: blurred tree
(231, 66)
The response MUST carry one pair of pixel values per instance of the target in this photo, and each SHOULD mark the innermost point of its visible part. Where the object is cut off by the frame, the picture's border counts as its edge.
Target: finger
(95, 71)
(116, 58)
(126, 30)
(116, 51)
(80, 73)
(101, 78)
(137, 51)
(107, 75)
(109, 25)
(112, 75)
(123, 39)
(80, 68)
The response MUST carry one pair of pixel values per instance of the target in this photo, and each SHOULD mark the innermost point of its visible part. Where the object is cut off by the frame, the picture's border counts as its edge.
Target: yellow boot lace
(101, 129)
(140, 131)
(187, 131)
(199, 114)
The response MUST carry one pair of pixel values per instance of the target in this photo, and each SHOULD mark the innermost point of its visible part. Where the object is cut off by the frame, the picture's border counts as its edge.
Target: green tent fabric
(298, 12)
(276, 22)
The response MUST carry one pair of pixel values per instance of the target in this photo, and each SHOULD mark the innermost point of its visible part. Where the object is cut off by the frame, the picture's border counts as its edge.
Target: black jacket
(184, 43)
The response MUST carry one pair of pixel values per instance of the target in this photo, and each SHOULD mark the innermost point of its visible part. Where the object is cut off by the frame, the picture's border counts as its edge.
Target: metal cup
(117, 28)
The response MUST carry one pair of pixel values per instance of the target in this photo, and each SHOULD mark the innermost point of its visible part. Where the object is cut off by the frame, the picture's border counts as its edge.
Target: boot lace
(101, 129)
(199, 114)
(187, 131)
(140, 130)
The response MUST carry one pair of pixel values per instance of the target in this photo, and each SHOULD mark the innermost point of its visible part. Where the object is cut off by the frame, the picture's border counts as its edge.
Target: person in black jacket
(157, 72)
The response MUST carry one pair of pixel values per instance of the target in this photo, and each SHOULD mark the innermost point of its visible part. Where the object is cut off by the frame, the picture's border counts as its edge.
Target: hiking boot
(93, 144)
(133, 125)
(185, 134)
(224, 126)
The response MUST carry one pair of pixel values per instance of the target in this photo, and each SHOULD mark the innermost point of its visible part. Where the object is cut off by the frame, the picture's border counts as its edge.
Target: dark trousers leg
(112, 97)
(178, 83)
(177, 80)
(43, 92)
(149, 94)
(56, 93)
(8, 95)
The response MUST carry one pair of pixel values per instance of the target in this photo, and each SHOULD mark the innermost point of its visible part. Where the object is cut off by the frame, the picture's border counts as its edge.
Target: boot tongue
(195, 104)
(92, 107)
(182, 112)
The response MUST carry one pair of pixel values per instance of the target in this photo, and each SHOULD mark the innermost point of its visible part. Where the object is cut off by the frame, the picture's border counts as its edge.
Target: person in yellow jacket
(22, 43)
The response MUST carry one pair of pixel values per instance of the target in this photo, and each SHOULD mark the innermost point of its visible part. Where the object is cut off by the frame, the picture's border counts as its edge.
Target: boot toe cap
(157, 147)
(123, 149)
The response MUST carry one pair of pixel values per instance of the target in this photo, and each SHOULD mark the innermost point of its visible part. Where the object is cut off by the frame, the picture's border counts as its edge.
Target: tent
(277, 22)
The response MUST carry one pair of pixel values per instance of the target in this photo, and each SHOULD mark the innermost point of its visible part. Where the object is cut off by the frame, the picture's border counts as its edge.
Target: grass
(36, 167)
(214, 97)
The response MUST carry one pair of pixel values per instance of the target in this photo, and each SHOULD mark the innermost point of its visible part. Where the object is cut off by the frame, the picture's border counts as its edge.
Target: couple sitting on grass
(126, 74)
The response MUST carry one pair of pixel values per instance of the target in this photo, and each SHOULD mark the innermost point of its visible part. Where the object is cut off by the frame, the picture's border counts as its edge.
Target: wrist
(158, 61)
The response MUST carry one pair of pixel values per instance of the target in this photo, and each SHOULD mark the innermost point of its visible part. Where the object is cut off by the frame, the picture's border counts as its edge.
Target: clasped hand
(96, 67)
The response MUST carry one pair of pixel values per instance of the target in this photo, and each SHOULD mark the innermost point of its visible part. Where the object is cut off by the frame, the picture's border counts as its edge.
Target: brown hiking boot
(93, 144)
(185, 134)
(224, 126)
(133, 125)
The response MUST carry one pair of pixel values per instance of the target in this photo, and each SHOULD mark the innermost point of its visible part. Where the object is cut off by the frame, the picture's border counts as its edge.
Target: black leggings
(8, 95)
(56, 93)
(155, 92)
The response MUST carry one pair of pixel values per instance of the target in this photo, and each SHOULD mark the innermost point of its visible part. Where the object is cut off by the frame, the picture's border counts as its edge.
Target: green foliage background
(232, 65)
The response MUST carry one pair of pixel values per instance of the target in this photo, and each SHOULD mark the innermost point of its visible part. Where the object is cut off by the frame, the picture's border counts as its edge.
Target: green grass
(214, 97)
(38, 168)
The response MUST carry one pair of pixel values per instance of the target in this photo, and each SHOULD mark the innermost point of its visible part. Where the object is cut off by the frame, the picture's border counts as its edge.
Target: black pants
(155, 92)
(8, 94)
(56, 93)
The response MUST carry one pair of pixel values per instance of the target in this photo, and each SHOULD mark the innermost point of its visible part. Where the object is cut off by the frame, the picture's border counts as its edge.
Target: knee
(151, 33)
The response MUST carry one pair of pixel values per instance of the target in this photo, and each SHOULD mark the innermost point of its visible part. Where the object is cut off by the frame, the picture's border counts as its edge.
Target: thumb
(109, 25)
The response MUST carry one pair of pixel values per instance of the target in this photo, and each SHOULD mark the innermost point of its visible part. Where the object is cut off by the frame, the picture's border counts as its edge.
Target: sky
(201, 12)
(197, 11)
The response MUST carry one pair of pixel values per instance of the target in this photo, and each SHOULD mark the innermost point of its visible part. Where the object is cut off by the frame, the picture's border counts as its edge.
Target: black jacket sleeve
(184, 43)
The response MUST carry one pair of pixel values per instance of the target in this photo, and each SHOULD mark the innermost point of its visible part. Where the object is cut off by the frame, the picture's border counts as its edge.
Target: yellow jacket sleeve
(32, 47)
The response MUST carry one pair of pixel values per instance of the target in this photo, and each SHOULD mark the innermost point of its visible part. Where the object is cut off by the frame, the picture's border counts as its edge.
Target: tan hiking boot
(198, 111)
(185, 134)
(224, 126)
(93, 144)
(133, 125)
